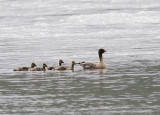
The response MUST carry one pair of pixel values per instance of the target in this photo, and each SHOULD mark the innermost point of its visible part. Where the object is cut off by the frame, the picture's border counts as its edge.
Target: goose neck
(100, 57)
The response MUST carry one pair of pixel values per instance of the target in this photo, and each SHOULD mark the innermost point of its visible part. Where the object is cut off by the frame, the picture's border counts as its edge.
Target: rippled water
(46, 31)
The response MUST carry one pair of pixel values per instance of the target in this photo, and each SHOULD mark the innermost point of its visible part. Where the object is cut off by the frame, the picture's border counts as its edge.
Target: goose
(25, 68)
(66, 67)
(70, 67)
(60, 64)
(43, 68)
(95, 65)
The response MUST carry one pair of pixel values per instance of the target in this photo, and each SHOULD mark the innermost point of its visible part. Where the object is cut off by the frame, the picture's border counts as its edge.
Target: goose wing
(88, 65)
(60, 68)
(21, 69)
(36, 69)
(50, 68)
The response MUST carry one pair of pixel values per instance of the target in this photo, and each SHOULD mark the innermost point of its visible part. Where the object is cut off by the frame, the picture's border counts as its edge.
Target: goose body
(70, 67)
(43, 68)
(56, 67)
(25, 68)
(92, 65)
(66, 67)
(95, 65)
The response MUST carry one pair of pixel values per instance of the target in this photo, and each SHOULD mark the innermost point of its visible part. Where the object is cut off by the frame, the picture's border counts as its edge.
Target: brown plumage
(53, 67)
(25, 68)
(95, 65)
(43, 68)
(66, 67)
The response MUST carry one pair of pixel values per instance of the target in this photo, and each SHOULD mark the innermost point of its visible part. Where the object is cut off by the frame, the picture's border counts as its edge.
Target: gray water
(48, 30)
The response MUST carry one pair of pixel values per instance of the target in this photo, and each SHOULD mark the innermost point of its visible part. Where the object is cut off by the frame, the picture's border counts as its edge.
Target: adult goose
(60, 64)
(95, 65)
(66, 67)
(25, 68)
(43, 68)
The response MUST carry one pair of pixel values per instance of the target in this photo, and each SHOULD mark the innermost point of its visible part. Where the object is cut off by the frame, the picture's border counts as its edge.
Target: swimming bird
(95, 65)
(43, 68)
(70, 67)
(53, 67)
(66, 67)
(25, 68)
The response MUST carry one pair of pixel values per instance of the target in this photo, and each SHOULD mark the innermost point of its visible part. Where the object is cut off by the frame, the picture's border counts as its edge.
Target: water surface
(38, 31)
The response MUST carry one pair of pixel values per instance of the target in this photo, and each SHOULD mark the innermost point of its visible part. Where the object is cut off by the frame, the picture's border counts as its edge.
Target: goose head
(44, 65)
(60, 62)
(101, 51)
(73, 63)
(33, 65)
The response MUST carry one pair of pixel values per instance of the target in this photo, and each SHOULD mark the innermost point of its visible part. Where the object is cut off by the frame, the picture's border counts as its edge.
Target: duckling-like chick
(95, 65)
(43, 68)
(71, 67)
(67, 67)
(60, 64)
(25, 68)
